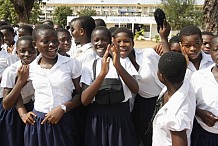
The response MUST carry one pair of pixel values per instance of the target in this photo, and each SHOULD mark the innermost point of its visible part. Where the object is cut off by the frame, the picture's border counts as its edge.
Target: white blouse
(176, 115)
(88, 77)
(149, 84)
(205, 87)
(54, 86)
(8, 80)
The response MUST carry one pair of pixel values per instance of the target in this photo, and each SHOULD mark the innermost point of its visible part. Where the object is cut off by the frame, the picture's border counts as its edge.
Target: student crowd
(88, 86)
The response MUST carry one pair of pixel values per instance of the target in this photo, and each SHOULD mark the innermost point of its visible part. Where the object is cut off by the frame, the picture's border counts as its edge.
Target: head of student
(191, 41)
(24, 30)
(46, 41)
(172, 68)
(64, 38)
(207, 38)
(99, 22)
(100, 39)
(123, 39)
(8, 33)
(174, 44)
(25, 49)
(81, 28)
(214, 49)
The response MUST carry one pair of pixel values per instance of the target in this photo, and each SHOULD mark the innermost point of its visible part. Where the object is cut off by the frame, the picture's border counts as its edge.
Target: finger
(33, 114)
(107, 51)
(45, 119)
(31, 120)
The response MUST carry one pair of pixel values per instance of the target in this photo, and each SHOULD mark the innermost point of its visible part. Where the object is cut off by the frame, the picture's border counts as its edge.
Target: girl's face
(47, 43)
(100, 41)
(26, 52)
(192, 45)
(8, 37)
(124, 43)
(76, 31)
(214, 51)
(65, 41)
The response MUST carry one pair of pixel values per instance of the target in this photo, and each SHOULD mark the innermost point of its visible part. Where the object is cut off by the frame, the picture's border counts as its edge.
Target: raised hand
(23, 73)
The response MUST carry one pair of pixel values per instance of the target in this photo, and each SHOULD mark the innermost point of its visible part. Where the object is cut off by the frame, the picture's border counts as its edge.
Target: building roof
(136, 2)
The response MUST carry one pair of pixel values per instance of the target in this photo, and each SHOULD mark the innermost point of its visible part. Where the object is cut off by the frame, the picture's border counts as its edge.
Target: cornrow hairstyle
(173, 66)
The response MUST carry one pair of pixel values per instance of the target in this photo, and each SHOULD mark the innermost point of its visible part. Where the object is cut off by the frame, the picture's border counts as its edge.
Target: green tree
(87, 12)
(7, 11)
(210, 17)
(181, 13)
(34, 14)
(61, 13)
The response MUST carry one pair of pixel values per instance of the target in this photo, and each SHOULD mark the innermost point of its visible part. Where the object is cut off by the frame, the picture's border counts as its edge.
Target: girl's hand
(54, 116)
(23, 73)
(208, 117)
(116, 55)
(158, 49)
(185, 54)
(106, 61)
(165, 31)
(27, 118)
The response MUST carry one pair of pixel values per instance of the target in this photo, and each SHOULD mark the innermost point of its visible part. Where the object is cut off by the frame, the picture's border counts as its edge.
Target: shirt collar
(85, 47)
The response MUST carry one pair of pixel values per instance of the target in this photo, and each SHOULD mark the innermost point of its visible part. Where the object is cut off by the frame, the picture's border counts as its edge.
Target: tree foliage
(181, 13)
(61, 13)
(210, 17)
(7, 11)
(87, 12)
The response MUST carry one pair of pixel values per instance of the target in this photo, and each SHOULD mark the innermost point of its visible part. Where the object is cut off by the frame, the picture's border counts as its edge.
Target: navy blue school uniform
(109, 121)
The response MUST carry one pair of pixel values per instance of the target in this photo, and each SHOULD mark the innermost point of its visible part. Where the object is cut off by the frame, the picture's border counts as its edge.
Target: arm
(207, 117)
(164, 33)
(10, 96)
(179, 138)
(89, 93)
(27, 118)
(127, 78)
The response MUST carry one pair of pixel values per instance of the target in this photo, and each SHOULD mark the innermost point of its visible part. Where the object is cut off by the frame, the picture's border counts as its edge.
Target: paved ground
(144, 44)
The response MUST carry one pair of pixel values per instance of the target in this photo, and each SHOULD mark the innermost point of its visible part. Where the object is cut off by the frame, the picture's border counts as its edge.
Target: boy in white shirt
(175, 110)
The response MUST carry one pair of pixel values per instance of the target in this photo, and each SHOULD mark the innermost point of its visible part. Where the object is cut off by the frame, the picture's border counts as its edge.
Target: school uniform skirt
(201, 137)
(11, 126)
(61, 134)
(142, 113)
(110, 125)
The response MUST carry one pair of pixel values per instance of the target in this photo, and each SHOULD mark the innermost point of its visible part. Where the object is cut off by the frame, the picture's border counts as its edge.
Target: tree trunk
(23, 9)
(210, 16)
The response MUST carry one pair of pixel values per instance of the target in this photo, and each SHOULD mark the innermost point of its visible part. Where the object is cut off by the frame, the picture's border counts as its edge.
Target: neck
(197, 61)
(172, 88)
(85, 41)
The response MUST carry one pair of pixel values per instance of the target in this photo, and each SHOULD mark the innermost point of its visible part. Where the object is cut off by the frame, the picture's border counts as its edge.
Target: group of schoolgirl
(104, 76)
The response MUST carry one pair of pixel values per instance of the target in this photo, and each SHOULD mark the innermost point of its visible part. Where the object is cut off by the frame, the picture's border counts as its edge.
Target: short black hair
(48, 22)
(1, 36)
(26, 27)
(173, 66)
(189, 30)
(99, 22)
(174, 39)
(28, 38)
(87, 23)
(112, 29)
(207, 33)
(103, 28)
(125, 30)
(40, 27)
(8, 28)
(62, 30)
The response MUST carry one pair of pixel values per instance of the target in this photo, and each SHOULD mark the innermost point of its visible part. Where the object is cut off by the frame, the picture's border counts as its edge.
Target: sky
(112, 1)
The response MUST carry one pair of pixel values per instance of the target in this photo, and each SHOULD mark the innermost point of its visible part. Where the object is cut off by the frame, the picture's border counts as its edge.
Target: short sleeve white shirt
(86, 54)
(205, 87)
(206, 61)
(53, 86)
(8, 80)
(88, 77)
(6, 60)
(176, 115)
(149, 84)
